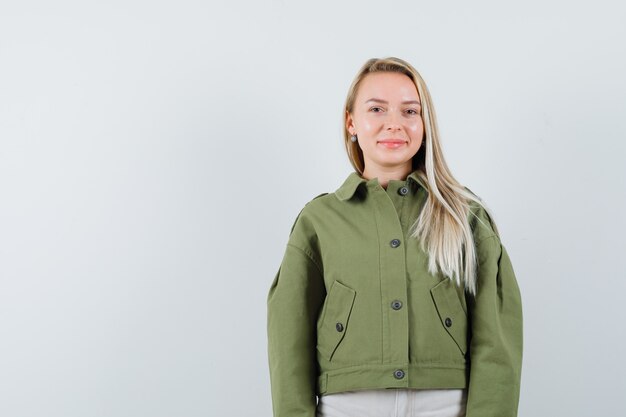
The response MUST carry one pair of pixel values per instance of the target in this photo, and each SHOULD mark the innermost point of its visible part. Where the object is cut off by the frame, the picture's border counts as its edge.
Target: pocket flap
(451, 313)
(334, 323)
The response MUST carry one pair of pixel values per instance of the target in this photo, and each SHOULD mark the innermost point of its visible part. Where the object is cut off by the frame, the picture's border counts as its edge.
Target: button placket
(393, 280)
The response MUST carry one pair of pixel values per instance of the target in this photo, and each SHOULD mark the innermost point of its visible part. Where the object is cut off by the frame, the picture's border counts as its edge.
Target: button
(398, 374)
(448, 322)
(396, 304)
(395, 243)
(339, 327)
(403, 190)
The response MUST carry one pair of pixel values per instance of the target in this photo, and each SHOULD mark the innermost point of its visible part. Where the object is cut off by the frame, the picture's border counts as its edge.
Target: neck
(385, 174)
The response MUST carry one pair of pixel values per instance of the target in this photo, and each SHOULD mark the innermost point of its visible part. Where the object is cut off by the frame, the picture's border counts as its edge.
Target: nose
(393, 122)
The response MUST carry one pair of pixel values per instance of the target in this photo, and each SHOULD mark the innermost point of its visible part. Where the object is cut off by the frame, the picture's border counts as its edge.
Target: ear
(349, 123)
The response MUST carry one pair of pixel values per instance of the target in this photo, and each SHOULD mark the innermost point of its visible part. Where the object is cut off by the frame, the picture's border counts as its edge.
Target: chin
(395, 159)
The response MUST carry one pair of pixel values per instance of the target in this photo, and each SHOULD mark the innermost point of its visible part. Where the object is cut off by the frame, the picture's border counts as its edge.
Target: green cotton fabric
(353, 306)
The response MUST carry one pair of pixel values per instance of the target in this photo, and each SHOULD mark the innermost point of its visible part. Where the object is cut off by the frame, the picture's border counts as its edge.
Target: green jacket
(353, 306)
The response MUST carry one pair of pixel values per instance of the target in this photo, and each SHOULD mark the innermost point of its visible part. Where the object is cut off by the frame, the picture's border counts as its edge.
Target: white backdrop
(154, 155)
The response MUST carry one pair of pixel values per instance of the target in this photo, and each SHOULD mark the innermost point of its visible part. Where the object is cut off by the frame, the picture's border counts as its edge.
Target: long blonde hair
(442, 227)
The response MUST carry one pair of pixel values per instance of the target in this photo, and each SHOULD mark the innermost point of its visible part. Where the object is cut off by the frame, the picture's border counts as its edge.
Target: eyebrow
(386, 102)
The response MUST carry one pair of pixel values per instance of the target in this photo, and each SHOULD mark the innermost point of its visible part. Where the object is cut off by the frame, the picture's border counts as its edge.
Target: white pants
(394, 403)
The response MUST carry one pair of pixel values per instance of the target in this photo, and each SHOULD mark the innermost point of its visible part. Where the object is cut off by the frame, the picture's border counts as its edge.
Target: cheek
(367, 124)
(417, 126)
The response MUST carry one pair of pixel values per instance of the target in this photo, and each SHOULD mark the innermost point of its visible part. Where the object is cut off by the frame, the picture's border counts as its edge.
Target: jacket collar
(350, 185)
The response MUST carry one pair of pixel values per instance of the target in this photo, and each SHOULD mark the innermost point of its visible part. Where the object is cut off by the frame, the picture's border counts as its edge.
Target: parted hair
(442, 227)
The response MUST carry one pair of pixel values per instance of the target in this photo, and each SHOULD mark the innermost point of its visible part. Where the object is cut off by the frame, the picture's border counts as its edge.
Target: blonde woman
(395, 296)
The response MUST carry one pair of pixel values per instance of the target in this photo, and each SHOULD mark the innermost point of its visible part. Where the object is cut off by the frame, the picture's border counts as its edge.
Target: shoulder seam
(308, 256)
(487, 237)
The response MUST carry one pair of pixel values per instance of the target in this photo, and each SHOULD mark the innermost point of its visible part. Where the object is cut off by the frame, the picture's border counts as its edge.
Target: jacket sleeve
(293, 303)
(496, 335)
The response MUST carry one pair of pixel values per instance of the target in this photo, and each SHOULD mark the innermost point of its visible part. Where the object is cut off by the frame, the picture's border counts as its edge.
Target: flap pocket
(451, 313)
(333, 322)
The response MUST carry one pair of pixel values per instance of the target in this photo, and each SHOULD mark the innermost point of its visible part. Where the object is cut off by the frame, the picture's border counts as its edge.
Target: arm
(293, 303)
(496, 327)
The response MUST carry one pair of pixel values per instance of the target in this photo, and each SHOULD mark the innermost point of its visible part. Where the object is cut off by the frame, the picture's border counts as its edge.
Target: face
(387, 121)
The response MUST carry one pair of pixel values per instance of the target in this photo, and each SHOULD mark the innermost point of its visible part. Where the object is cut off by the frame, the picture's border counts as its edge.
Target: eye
(376, 109)
(412, 111)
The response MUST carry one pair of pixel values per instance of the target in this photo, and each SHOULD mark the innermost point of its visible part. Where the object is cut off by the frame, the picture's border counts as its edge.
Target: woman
(395, 296)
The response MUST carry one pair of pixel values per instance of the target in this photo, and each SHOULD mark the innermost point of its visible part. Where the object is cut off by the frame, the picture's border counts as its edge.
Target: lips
(392, 143)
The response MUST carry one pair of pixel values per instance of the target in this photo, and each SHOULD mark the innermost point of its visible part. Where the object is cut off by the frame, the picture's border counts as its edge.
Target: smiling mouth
(392, 144)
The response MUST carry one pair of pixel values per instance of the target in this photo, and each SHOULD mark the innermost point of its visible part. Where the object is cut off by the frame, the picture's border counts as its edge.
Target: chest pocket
(334, 318)
(452, 315)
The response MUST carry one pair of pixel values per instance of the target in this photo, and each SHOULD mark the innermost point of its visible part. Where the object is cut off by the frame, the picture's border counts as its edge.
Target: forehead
(387, 86)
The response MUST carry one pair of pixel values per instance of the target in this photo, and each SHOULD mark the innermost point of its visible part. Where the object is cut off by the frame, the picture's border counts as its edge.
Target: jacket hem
(384, 376)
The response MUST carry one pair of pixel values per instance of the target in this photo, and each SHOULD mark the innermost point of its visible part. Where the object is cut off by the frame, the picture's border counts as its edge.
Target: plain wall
(154, 155)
